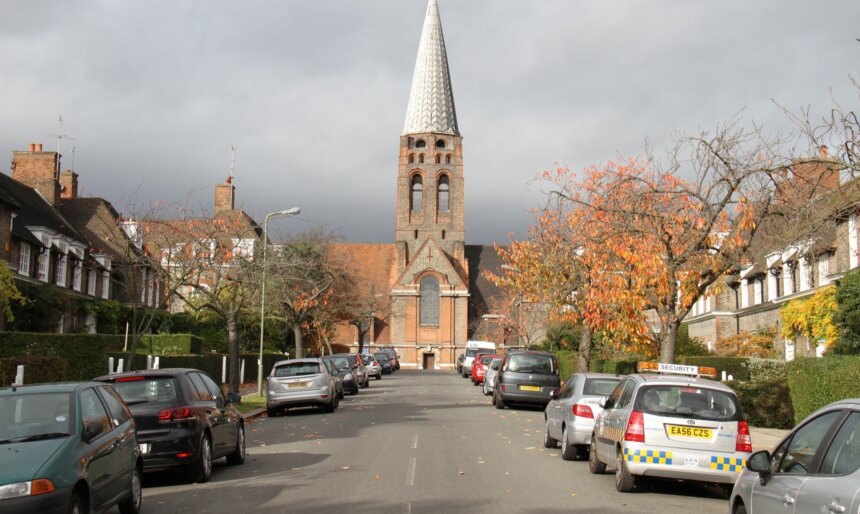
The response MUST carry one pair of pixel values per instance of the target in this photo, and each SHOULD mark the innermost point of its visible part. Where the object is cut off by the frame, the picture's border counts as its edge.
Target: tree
(811, 317)
(365, 305)
(9, 294)
(847, 315)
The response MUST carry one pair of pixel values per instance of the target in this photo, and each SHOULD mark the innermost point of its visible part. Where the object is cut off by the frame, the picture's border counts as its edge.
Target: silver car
(569, 416)
(490, 376)
(670, 426)
(816, 468)
(300, 383)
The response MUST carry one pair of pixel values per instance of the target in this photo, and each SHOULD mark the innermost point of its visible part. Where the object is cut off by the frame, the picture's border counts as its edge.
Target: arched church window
(438, 158)
(448, 159)
(417, 192)
(443, 194)
(440, 143)
(421, 158)
(412, 158)
(428, 313)
(420, 144)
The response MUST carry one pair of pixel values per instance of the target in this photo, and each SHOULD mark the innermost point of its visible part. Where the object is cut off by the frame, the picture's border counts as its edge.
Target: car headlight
(348, 376)
(30, 488)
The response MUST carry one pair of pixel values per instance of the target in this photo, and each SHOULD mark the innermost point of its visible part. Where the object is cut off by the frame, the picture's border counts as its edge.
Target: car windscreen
(486, 360)
(341, 362)
(531, 363)
(139, 389)
(688, 401)
(34, 416)
(381, 357)
(599, 386)
(369, 359)
(297, 369)
(471, 352)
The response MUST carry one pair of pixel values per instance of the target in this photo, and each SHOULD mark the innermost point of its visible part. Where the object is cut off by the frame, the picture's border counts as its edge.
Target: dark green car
(67, 448)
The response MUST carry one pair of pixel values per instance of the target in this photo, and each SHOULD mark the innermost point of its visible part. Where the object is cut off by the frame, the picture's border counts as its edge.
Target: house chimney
(32, 147)
(224, 196)
(68, 184)
(38, 170)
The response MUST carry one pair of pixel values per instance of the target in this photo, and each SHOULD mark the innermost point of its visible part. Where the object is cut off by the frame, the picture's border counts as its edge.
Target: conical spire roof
(431, 101)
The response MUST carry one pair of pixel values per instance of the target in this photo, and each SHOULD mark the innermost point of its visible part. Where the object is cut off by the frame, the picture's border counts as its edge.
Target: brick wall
(38, 169)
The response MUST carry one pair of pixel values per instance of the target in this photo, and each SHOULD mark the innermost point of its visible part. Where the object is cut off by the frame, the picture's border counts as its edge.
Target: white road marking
(409, 508)
(415, 442)
(410, 474)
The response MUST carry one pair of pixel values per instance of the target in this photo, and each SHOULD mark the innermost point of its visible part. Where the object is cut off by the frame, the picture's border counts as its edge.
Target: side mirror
(604, 403)
(759, 462)
(92, 430)
(553, 394)
(234, 398)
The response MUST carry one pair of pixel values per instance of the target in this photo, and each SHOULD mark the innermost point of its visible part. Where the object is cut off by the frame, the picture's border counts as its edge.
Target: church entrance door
(429, 361)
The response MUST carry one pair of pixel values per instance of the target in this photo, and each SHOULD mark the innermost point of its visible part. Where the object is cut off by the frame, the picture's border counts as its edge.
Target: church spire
(431, 101)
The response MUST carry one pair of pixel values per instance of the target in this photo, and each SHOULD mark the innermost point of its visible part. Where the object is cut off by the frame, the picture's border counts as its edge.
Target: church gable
(430, 257)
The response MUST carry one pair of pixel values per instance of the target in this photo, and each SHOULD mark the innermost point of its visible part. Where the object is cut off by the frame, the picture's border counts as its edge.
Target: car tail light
(583, 411)
(175, 414)
(635, 428)
(183, 455)
(744, 442)
(504, 388)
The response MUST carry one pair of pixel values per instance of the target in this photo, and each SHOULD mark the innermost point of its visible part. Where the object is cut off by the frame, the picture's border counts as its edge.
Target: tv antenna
(232, 163)
(60, 136)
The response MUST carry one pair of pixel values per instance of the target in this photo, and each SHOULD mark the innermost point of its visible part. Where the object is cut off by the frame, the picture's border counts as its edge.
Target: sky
(313, 94)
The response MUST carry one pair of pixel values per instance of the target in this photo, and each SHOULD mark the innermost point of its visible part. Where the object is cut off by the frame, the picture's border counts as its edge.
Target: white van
(474, 348)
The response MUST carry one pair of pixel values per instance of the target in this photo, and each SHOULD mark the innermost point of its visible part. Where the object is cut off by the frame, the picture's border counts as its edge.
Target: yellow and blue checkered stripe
(648, 456)
(727, 464)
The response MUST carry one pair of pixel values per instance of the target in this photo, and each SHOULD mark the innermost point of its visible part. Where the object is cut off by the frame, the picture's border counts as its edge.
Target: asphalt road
(416, 441)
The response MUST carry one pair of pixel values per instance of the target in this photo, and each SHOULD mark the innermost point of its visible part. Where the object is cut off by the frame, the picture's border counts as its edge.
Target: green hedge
(764, 370)
(210, 363)
(734, 366)
(617, 367)
(37, 370)
(566, 363)
(815, 382)
(164, 344)
(84, 353)
(765, 404)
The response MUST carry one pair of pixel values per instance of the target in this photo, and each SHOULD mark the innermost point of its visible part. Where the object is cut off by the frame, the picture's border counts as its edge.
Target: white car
(670, 426)
(473, 348)
(490, 376)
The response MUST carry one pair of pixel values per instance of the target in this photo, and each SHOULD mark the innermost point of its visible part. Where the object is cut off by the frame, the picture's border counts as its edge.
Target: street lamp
(286, 212)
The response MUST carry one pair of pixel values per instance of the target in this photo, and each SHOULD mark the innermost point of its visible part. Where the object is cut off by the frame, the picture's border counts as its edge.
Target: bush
(567, 360)
(847, 316)
(734, 366)
(84, 353)
(689, 346)
(170, 344)
(814, 382)
(765, 404)
(765, 370)
(619, 367)
(37, 370)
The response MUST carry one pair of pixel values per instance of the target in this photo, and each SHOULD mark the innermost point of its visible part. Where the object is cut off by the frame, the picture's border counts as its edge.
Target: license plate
(297, 385)
(144, 448)
(694, 432)
(529, 388)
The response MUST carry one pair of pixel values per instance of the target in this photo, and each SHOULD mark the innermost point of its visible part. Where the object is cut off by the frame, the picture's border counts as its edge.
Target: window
(105, 285)
(797, 456)
(438, 158)
(843, 457)
(448, 159)
(616, 395)
(626, 395)
(76, 277)
(443, 194)
(412, 158)
(757, 291)
(567, 389)
(43, 265)
(688, 402)
(91, 282)
(421, 158)
(24, 259)
(417, 192)
(440, 143)
(200, 392)
(599, 386)
(212, 387)
(93, 411)
(420, 144)
(61, 271)
(429, 301)
(118, 411)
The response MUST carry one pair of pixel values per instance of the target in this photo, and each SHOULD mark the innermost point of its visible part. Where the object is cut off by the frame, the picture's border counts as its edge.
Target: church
(431, 288)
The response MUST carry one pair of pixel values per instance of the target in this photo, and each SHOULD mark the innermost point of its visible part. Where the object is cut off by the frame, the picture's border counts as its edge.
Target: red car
(479, 366)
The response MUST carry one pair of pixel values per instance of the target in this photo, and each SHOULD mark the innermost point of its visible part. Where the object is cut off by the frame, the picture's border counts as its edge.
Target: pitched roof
(431, 100)
(34, 211)
(102, 235)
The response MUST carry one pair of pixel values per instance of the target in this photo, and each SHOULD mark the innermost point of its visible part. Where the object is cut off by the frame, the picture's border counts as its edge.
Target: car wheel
(367, 381)
(548, 441)
(740, 508)
(200, 471)
(131, 505)
(238, 455)
(273, 413)
(624, 481)
(332, 405)
(77, 505)
(500, 404)
(568, 451)
(594, 465)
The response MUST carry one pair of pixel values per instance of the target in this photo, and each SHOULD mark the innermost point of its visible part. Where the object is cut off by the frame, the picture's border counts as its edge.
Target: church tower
(430, 296)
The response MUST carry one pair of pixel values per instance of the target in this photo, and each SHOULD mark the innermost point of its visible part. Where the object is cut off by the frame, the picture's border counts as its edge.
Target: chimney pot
(32, 147)
(823, 151)
(38, 147)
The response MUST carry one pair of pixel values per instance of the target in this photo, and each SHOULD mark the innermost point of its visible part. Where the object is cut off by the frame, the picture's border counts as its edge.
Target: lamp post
(286, 212)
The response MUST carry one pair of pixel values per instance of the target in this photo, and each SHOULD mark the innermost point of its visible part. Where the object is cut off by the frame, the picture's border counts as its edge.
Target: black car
(526, 377)
(338, 379)
(385, 361)
(183, 420)
(344, 369)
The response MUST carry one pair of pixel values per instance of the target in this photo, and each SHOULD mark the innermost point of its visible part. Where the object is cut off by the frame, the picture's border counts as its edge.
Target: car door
(837, 481)
(554, 412)
(101, 461)
(614, 420)
(223, 431)
(125, 433)
(791, 464)
(564, 405)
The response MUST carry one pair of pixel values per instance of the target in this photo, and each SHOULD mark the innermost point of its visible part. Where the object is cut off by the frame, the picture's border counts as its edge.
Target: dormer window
(417, 193)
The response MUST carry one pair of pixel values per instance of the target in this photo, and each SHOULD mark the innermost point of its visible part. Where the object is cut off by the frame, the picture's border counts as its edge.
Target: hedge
(84, 353)
(163, 344)
(567, 360)
(210, 363)
(37, 370)
(816, 382)
(765, 404)
(734, 366)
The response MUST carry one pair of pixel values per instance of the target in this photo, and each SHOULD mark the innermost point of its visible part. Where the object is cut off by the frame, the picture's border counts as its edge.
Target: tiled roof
(102, 235)
(34, 211)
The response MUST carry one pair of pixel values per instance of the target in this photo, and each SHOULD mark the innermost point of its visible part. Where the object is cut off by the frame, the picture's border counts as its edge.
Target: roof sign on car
(676, 369)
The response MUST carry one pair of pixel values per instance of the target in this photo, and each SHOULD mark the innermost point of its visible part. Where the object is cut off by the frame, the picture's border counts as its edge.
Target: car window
(471, 352)
(691, 402)
(30, 414)
(297, 369)
(612, 402)
(800, 452)
(626, 395)
(140, 389)
(341, 362)
(599, 386)
(843, 456)
(116, 408)
(567, 388)
(531, 363)
(495, 363)
(93, 411)
(212, 387)
(200, 393)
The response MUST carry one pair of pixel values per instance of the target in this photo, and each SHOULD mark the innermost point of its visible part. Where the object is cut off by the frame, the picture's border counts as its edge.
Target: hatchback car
(358, 368)
(183, 420)
(372, 366)
(67, 448)
(670, 426)
(300, 383)
(343, 366)
(569, 416)
(479, 367)
(525, 377)
(490, 376)
(385, 362)
(815, 468)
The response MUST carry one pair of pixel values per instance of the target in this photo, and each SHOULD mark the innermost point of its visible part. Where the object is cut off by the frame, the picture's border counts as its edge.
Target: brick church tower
(430, 295)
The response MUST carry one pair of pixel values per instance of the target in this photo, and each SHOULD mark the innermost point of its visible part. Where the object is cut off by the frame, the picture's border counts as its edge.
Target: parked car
(393, 358)
(372, 366)
(343, 366)
(490, 376)
(338, 378)
(359, 368)
(300, 383)
(67, 448)
(460, 359)
(473, 348)
(671, 426)
(385, 362)
(570, 414)
(479, 367)
(525, 377)
(815, 468)
(183, 420)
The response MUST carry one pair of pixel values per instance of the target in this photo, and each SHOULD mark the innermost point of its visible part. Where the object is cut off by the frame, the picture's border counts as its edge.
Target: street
(415, 441)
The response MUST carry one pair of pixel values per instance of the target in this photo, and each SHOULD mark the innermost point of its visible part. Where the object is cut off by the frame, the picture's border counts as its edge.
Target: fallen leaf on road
(376, 477)
(344, 468)
(529, 448)
(529, 420)
(553, 455)
(461, 472)
(573, 494)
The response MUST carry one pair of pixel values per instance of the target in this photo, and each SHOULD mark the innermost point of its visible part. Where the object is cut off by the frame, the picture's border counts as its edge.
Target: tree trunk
(233, 352)
(667, 349)
(585, 341)
(297, 332)
(327, 344)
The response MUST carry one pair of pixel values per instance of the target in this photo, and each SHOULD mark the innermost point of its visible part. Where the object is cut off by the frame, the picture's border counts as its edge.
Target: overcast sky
(313, 93)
